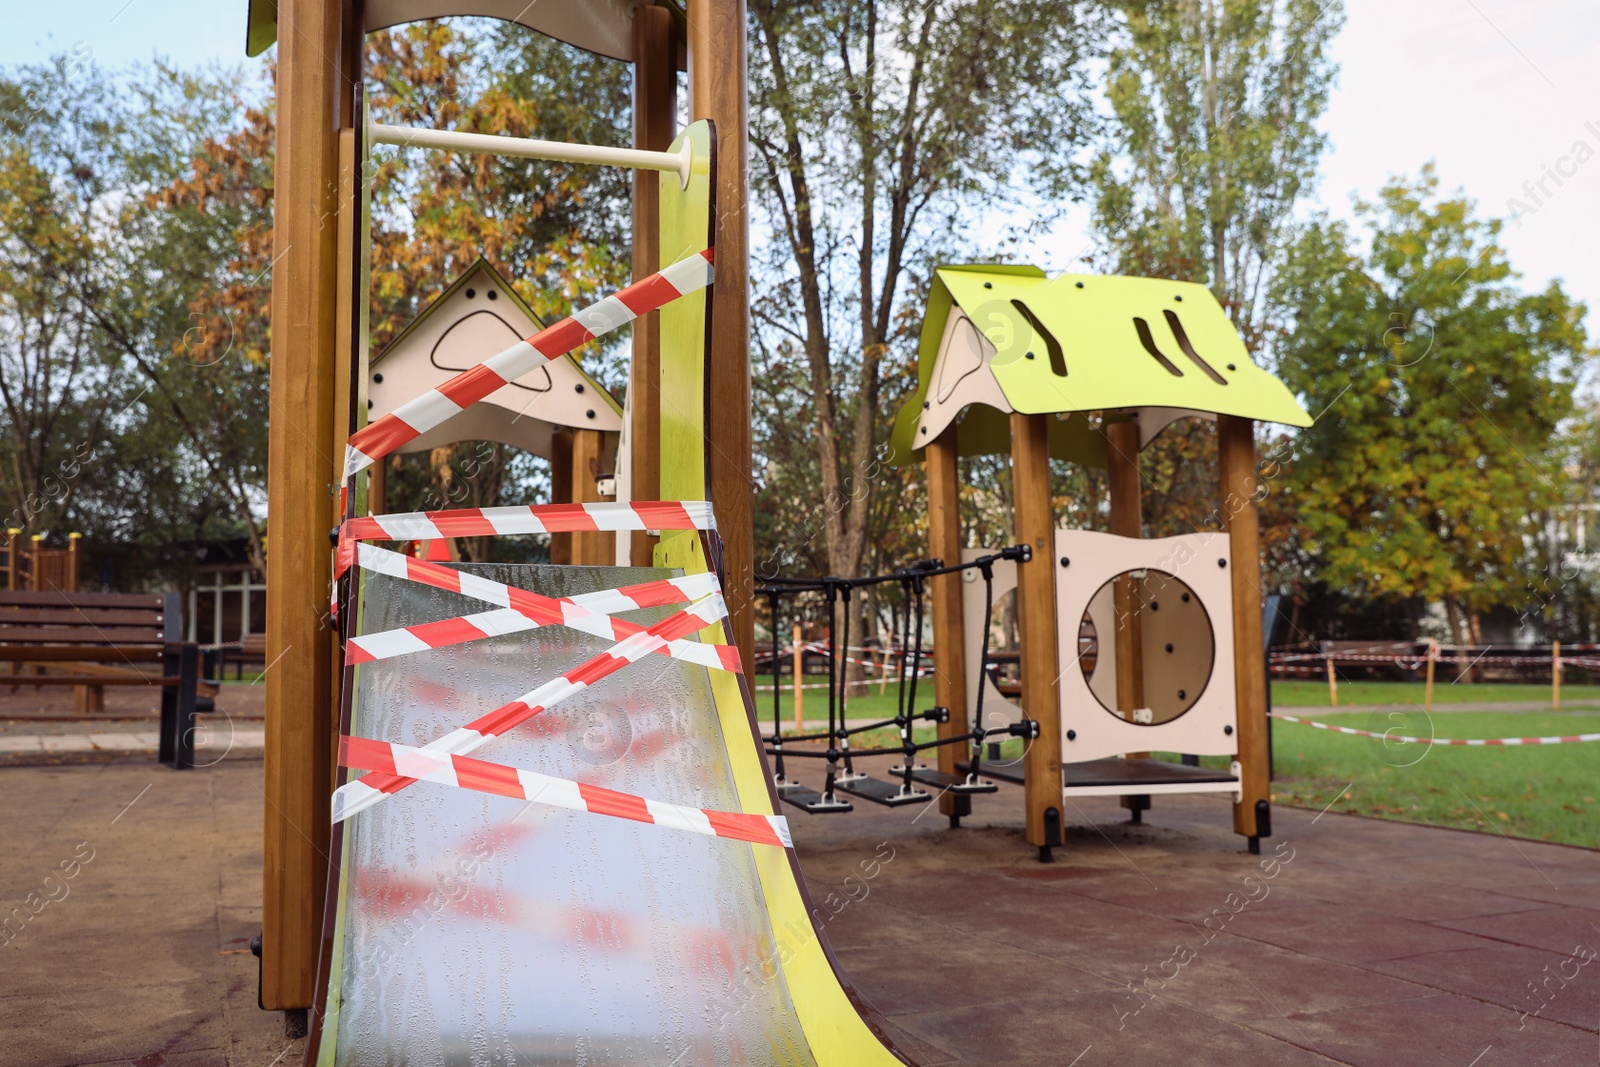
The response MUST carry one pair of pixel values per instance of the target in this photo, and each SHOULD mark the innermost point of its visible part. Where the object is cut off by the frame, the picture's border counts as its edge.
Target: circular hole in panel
(1173, 683)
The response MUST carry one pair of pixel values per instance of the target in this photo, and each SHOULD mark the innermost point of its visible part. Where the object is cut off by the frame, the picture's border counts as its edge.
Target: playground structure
(361, 931)
(29, 565)
(1129, 645)
(318, 349)
(701, 943)
(557, 411)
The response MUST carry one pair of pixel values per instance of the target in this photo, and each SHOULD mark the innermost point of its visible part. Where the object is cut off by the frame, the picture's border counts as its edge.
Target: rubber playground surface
(1349, 940)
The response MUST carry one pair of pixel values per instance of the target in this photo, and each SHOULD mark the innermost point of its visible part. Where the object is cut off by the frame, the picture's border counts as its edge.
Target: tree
(559, 231)
(50, 193)
(1216, 103)
(1214, 146)
(111, 431)
(882, 132)
(1439, 389)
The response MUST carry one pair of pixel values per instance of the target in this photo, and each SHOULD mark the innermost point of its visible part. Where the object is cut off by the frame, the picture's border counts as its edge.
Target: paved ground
(1165, 943)
(41, 727)
(142, 955)
(47, 703)
(1365, 943)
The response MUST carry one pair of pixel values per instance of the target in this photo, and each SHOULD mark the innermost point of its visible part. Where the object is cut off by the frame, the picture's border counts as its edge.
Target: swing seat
(950, 783)
(812, 802)
(889, 794)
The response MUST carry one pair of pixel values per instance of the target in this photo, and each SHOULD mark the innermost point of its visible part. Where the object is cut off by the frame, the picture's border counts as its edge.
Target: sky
(1497, 93)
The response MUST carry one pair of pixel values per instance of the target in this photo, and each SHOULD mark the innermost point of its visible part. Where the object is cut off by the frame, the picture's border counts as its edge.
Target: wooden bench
(92, 640)
(252, 649)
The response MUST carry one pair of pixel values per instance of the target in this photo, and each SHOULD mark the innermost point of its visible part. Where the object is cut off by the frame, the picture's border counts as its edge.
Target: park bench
(251, 649)
(91, 640)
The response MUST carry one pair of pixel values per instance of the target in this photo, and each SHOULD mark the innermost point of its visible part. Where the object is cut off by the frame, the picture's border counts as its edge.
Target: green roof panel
(1083, 342)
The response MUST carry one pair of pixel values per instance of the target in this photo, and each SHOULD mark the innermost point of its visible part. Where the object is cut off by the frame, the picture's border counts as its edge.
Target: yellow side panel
(834, 1029)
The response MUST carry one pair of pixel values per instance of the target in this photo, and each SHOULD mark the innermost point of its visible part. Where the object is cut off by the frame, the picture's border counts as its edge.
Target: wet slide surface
(474, 929)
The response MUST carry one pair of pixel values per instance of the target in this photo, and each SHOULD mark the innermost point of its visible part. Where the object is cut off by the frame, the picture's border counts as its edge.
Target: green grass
(815, 701)
(1544, 792)
(1370, 694)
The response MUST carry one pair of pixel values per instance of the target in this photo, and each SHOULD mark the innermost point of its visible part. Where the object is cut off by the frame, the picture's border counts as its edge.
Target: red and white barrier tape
(1413, 661)
(481, 776)
(541, 610)
(416, 417)
(526, 611)
(1568, 739)
(353, 797)
(532, 519)
(822, 650)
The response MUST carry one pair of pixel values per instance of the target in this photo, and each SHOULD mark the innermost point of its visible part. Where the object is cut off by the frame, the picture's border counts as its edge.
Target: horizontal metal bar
(557, 151)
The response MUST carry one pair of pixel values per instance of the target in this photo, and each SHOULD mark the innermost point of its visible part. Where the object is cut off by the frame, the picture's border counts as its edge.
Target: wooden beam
(378, 487)
(589, 548)
(346, 375)
(1236, 450)
(318, 64)
(941, 466)
(655, 108)
(1036, 616)
(1126, 487)
(561, 490)
(717, 92)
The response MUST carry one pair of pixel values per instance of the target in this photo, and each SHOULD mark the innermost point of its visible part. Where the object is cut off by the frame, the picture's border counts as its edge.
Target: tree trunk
(1458, 633)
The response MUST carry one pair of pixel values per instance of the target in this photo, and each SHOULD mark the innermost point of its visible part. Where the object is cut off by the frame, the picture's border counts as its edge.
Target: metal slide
(472, 926)
(468, 928)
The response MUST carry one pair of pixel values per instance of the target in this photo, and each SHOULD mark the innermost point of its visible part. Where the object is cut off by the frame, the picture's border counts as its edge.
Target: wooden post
(1333, 681)
(941, 467)
(1236, 454)
(589, 548)
(12, 535)
(799, 680)
(883, 665)
(318, 66)
(350, 373)
(655, 87)
(35, 559)
(378, 487)
(1555, 675)
(1125, 483)
(1036, 611)
(1427, 690)
(74, 561)
(561, 490)
(716, 38)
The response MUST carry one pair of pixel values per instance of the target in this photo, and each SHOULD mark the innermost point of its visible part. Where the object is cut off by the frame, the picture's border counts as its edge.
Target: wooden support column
(942, 470)
(655, 107)
(1036, 616)
(590, 548)
(561, 490)
(378, 487)
(318, 64)
(717, 92)
(74, 561)
(349, 378)
(1127, 519)
(1236, 450)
